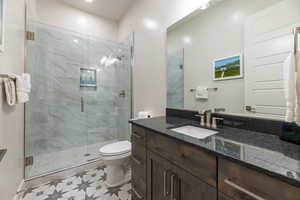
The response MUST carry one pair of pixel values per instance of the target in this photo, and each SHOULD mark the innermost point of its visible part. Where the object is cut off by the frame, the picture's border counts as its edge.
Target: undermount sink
(196, 132)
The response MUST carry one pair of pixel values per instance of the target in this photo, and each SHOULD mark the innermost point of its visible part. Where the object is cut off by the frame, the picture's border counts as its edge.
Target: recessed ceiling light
(82, 21)
(89, 1)
(205, 6)
(150, 24)
(187, 39)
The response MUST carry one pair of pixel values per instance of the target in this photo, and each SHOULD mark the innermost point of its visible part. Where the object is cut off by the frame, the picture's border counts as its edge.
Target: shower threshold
(51, 163)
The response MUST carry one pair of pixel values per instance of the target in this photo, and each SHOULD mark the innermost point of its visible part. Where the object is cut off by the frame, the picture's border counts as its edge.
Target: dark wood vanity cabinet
(223, 197)
(164, 168)
(238, 182)
(166, 181)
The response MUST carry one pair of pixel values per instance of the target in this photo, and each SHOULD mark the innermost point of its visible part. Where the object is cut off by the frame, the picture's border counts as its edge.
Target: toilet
(116, 157)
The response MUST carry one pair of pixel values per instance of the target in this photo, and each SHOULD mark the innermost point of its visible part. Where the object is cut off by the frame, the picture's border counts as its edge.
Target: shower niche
(88, 77)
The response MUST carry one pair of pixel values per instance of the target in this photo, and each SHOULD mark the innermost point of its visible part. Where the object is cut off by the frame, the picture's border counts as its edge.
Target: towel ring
(5, 76)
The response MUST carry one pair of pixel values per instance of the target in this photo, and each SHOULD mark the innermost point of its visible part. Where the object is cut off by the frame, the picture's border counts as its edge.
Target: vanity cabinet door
(192, 188)
(223, 197)
(158, 178)
(166, 181)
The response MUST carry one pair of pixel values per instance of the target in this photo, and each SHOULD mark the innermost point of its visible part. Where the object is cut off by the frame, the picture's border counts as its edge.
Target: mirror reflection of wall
(175, 84)
(222, 28)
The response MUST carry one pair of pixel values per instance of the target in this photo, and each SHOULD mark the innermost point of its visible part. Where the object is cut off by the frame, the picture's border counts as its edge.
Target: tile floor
(86, 185)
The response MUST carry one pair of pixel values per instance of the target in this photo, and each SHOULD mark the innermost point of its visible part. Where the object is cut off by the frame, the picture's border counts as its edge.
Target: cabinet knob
(172, 186)
(166, 191)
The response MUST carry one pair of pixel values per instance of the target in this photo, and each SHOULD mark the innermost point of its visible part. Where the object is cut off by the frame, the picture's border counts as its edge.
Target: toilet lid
(116, 148)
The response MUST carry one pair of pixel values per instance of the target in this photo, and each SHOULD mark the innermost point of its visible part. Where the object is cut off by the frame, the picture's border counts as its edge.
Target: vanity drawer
(138, 161)
(138, 166)
(199, 163)
(241, 183)
(138, 135)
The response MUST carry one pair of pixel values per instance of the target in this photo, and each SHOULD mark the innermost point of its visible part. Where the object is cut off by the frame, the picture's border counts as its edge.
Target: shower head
(110, 60)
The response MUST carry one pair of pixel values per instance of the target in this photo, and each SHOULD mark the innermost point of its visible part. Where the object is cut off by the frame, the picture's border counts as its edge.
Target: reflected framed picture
(88, 77)
(2, 25)
(228, 68)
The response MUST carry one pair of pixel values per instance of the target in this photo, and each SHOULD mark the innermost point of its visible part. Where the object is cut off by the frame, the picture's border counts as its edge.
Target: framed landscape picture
(228, 68)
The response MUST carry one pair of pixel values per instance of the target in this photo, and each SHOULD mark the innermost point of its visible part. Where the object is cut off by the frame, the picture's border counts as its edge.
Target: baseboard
(20, 190)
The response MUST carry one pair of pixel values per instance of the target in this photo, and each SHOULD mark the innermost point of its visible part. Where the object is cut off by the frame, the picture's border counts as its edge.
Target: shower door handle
(122, 94)
(82, 104)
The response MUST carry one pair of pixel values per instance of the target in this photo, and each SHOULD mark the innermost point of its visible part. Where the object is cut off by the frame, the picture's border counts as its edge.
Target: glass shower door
(175, 79)
(80, 98)
(55, 130)
(107, 104)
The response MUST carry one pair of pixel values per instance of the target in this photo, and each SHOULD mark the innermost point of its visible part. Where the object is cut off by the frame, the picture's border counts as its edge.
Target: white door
(268, 41)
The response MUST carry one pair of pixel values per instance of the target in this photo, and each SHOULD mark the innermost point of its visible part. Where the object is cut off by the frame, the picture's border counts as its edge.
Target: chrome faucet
(202, 117)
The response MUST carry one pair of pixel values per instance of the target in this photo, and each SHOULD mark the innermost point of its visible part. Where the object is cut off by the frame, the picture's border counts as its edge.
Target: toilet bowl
(116, 157)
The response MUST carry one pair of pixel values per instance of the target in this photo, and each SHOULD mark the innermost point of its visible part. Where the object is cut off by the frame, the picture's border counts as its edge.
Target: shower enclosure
(175, 79)
(80, 99)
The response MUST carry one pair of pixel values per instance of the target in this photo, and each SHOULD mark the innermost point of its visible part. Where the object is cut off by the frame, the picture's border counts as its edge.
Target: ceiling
(111, 9)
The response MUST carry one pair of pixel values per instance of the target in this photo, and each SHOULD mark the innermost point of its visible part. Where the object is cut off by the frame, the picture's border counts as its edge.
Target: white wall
(53, 12)
(216, 33)
(11, 118)
(149, 74)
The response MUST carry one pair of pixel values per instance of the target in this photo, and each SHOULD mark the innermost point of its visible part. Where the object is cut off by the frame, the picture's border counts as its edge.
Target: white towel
(201, 93)
(291, 86)
(23, 88)
(10, 90)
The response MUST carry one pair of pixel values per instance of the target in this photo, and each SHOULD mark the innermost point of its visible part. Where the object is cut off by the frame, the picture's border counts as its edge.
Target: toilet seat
(116, 149)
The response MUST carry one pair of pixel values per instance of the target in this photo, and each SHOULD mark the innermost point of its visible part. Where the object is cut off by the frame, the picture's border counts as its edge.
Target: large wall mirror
(229, 56)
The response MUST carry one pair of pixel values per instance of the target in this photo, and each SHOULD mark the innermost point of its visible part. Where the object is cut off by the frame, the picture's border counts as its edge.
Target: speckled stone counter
(263, 152)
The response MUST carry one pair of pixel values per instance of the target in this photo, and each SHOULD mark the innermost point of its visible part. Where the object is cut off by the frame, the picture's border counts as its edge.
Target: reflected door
(269, 40)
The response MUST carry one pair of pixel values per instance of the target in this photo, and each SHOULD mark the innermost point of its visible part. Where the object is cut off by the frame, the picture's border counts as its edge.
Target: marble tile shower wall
(175, 80)
(54, 121)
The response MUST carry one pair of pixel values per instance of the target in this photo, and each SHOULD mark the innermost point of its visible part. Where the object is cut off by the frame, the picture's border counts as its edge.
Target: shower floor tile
(43, 163)
(86, 185)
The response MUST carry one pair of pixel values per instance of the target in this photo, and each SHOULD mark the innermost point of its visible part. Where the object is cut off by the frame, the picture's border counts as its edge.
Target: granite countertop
(264, 152)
